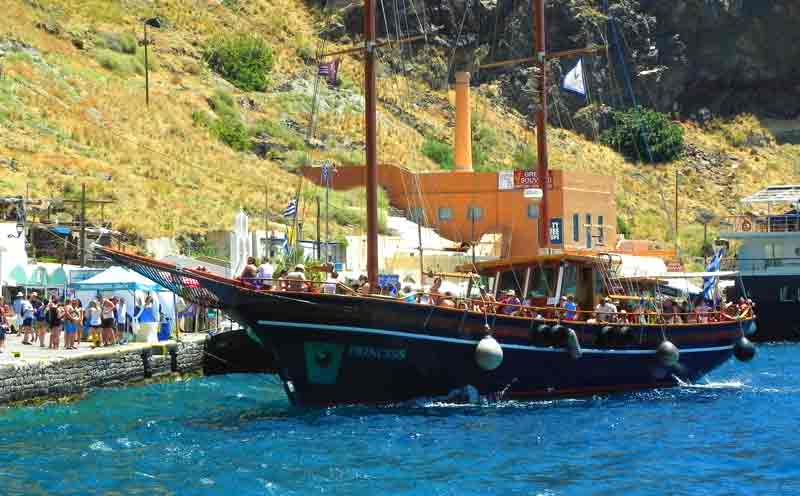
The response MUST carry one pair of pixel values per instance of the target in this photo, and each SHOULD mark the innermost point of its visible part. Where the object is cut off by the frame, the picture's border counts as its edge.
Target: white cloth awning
(685, 275)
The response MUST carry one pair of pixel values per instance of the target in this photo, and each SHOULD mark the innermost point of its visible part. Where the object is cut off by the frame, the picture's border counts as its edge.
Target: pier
(31, 372)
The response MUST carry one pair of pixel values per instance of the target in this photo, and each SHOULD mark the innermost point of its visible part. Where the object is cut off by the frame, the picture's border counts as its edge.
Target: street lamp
(153, 22)
(705, 217)
(20, 230)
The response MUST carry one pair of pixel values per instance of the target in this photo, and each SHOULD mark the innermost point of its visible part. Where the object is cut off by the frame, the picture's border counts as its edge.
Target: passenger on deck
(331, 283)
(435, 291)
(296, 279)
(249, 272)
(606, 311)
(279, 281)
(264, 274)
(447, 300)
(571, 308)
(637, 313)
(510, 304)
(363, 285)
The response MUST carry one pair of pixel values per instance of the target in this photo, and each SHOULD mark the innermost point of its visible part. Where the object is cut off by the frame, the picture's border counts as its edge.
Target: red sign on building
(530, 179)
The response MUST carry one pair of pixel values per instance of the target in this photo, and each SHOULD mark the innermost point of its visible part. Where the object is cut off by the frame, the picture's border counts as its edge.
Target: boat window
(576, 227)
(786, 295)
(415, 214)
(474, 213)
(445, 213)
(773, 250)
(543, 282)
(569, 285)
(511, 279)
(533, 210)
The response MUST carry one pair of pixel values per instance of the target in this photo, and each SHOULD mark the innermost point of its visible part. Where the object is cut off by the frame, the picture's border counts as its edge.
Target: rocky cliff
(727, 56)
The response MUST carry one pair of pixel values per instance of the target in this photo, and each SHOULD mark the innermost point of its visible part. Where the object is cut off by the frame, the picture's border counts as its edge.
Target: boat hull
(777, 320)
(343, 349)
(327, 364)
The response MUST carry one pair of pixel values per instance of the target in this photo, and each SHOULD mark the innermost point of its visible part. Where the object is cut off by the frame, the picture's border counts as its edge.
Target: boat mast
(541, 118)
(371, 138)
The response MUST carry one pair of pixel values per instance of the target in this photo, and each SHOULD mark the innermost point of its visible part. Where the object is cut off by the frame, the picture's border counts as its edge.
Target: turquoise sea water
(237, 435)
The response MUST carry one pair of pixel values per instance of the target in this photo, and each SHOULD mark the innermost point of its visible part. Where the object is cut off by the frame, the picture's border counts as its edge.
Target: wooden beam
(377, 44)
(549, 56)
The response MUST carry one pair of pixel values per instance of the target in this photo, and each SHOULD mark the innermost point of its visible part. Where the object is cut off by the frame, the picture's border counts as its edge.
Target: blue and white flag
(573, 81)
(291, 208)
(710, 283)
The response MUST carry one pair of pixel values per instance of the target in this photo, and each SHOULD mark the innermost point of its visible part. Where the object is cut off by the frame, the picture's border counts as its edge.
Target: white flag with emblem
(573, 81)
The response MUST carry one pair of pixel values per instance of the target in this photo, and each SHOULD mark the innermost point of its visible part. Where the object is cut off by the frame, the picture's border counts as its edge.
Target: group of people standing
(103, 322)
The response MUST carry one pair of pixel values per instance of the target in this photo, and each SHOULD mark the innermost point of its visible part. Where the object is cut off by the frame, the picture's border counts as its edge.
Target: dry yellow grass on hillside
(77, 115)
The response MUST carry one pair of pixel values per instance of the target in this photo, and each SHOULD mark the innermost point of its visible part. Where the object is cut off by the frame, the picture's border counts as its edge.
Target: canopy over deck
(787, 193)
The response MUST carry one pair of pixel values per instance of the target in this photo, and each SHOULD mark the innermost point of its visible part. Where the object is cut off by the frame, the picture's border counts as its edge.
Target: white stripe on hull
(426, 337)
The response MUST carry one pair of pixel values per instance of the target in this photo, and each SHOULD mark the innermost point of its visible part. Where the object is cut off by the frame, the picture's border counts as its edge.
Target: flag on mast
(573, 81)
(291, 208)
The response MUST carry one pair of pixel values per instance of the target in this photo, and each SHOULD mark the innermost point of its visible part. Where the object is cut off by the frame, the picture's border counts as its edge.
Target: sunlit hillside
(72, 111)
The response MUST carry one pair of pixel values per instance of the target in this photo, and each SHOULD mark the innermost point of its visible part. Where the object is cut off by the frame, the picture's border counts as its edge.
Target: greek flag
(710, 283)
(574, 82)
(291, 208)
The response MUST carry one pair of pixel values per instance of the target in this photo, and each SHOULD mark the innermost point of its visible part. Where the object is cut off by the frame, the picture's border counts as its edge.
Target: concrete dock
(30, 372)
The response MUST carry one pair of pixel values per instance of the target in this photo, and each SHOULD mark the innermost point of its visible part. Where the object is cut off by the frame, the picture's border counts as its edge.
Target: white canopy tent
(128, 285)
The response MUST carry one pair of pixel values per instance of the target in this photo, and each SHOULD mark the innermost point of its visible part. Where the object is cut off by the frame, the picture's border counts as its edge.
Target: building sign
(530, 179)
(533, 193)
(556, 230)
(505, 180)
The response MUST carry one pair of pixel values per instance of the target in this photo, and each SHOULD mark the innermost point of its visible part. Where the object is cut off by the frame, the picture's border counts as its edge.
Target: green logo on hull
(323, 361)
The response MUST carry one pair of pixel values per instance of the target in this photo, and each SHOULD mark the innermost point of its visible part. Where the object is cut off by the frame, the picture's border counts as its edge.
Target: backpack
(39, 312)
(51, 315)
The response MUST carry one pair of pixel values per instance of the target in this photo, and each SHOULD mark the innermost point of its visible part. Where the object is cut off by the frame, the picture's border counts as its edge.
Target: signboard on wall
(505, 180)
(530, 179)
(533, 193)
(556, 231)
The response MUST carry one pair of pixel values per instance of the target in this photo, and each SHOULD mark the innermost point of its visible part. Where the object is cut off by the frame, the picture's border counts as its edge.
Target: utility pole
(83, 225)
(421, 265)
(146, 70)
(319, 241)
(676, 210)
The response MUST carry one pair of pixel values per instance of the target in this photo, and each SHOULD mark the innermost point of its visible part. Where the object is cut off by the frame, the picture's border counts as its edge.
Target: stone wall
(76, 375)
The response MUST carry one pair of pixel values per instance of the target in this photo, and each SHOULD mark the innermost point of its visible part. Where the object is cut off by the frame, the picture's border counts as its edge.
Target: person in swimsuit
(108, 322)
(55, 319)
(70, 329)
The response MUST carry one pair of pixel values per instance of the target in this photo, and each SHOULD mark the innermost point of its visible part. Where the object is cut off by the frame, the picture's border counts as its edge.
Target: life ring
(746, 225)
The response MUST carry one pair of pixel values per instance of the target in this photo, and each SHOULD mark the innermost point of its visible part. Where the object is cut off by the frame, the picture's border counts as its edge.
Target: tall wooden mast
(371, 137)
(541, 118)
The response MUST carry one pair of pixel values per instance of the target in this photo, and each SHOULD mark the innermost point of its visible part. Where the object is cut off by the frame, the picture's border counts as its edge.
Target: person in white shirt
(296, 279)
(330, 284)
(122, 314)
(606, 311)
(264, 274)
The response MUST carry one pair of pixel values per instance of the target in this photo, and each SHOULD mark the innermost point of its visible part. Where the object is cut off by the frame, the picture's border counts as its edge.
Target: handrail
(763, 223)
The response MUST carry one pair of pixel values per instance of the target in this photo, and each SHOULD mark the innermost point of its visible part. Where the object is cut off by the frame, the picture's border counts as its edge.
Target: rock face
(728, 56)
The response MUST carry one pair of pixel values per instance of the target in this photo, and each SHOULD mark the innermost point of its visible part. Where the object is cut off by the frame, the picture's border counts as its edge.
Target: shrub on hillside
(438, 151)
(243, 59)
(118, 63)
(122, 43)
(644, 135)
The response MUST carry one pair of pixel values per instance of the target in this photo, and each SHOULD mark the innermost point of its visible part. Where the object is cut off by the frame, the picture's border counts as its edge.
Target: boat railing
(490, 307)
(284, 284)
(761, 223)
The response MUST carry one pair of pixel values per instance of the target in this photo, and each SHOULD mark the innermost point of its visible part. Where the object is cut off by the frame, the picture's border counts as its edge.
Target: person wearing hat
(510, 303)
(296, 279)
(25, 310)
(606, 311)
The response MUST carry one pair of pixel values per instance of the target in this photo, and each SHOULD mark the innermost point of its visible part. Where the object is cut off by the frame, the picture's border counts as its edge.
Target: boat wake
(729, 384)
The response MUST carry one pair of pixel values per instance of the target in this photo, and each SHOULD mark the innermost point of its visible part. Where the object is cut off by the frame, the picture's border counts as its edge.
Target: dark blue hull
(332, 364)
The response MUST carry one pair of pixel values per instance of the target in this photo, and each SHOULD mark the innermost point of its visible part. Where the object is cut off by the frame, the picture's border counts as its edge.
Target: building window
(600, 236)
(533, 210)
(576, 228)
(445, 213)
(588, 230)
(474, 213)
(415, 214)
